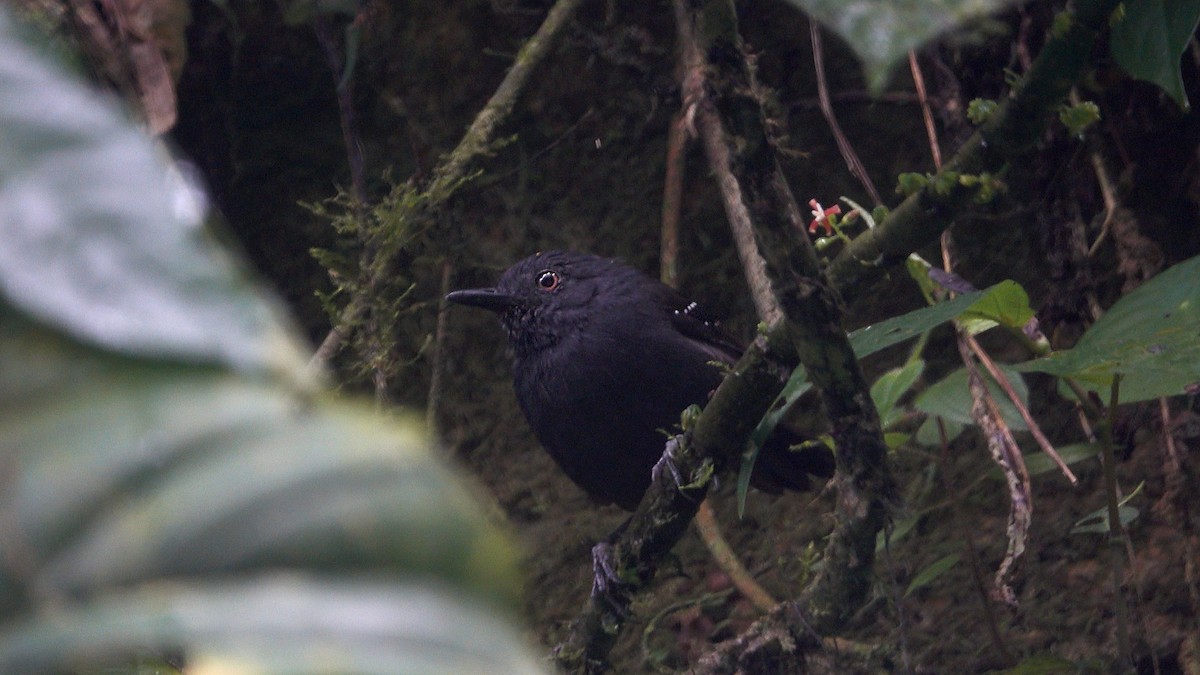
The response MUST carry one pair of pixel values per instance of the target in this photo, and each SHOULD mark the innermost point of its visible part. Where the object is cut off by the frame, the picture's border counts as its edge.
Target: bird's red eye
(548, 280)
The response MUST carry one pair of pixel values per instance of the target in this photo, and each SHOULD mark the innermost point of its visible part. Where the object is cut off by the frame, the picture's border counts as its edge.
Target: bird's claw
(667, 461)
(606, 582)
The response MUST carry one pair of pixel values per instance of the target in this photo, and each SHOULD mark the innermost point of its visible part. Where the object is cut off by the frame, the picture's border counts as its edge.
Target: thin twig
(1001, 445)
(1107, 191)
(438, 352)
(848, 155)
(708, 126)
(1007, 455)
(477, 140)
(935, 148)
(922, 216)
(1034, 428)
(705, 521)
(677, 142)
(727, 560)
(1116, 531)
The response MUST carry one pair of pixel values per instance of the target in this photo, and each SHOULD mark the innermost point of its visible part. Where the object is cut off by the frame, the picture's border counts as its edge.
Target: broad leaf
(931, 573)
(314, 626)
(156, 421)
(1151, 337)
(880, 336)
(1149, 42)
(1039, 462)
(103, 240)
(132, 470)
(950, 398)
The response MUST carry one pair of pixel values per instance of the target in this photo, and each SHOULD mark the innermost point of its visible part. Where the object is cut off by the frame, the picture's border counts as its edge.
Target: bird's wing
(700, 328)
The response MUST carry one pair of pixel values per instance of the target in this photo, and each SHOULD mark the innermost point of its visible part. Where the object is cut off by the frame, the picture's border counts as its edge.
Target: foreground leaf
(277, 623)
(157, 421)
(882, 31)
(102, 239)
(131, 470)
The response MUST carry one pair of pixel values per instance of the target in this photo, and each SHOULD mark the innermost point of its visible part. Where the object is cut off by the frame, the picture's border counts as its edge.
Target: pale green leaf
(882, 31)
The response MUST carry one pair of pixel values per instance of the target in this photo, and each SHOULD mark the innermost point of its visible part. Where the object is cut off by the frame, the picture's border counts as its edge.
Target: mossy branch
(1010, 130)
(679, 484)
(394, 218)
(743, 158)
(732, 127)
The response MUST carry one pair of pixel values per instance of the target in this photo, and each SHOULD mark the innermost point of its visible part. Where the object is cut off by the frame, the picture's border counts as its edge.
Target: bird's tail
(787, 460)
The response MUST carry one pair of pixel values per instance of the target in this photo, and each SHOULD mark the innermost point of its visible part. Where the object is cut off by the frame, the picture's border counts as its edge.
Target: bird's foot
(667, 462)
(607, 585)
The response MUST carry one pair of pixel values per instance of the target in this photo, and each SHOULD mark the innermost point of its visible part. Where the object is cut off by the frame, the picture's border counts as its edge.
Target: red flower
(821, 217)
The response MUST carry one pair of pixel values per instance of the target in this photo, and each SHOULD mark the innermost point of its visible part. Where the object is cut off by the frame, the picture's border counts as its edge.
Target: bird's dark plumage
(605, 359)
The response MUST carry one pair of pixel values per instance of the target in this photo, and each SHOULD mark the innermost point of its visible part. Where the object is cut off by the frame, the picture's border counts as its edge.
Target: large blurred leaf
(280, 623)
(132, 470)
(1150, 39)
(156, 422)
(1151, 337)
(882, 31)
(100, 239)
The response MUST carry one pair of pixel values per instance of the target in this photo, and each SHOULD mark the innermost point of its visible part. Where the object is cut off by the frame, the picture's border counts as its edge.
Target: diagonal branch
(452, 172)
(762, 209)
(1012, 129)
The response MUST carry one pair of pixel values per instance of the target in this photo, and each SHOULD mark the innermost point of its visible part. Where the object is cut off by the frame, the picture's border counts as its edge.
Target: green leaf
(117, 258)
(316, 626)
(929, 435)
(882, 31)
(1039, 462)
(950, 398)
(865, 341)
(891, 386)
(1151, 337)
(156, 422)
(899, 531)
(1150, 40)
(1044, 664)
(1096, 522)
(1005, 304)
(880, 336)
(931, 573)
(797, 385)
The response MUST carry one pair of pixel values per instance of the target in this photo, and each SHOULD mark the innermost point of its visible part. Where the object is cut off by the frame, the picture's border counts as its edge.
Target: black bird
(605, 359)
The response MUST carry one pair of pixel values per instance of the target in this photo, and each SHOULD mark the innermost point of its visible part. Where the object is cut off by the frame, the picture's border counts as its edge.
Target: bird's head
(548, 296)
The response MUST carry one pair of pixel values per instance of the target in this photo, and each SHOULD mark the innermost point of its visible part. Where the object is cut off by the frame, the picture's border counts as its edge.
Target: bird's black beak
(487, 298)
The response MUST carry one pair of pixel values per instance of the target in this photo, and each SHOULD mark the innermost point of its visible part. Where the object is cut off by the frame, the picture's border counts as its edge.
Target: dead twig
(848, 154)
